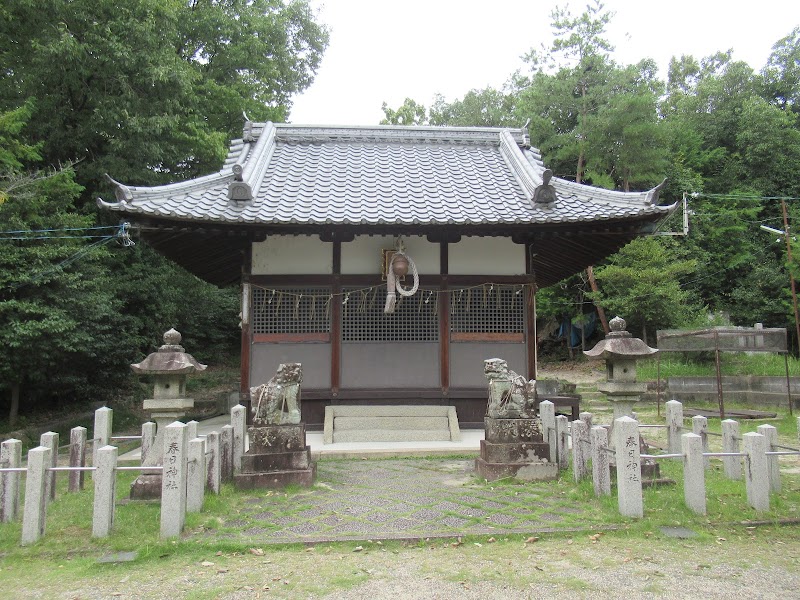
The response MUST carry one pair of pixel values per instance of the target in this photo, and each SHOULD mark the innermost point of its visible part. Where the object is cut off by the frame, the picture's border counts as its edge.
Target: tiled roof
(382, 175)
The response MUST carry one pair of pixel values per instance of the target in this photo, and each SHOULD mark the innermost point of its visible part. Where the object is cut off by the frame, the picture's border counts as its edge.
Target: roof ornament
(247, 132)
(121, 192)
(652, 197)
(239, 191)
(545, 193)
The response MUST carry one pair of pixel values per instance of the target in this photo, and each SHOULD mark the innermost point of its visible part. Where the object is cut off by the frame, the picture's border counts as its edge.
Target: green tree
(408, 113)
(151, 90)
(478, 108)
(782, 73)
(642, 284)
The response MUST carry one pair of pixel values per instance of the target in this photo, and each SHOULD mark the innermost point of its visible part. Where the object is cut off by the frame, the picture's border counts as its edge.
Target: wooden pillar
(247, 332)
(444, 321)
(530, 316)
(336, 319)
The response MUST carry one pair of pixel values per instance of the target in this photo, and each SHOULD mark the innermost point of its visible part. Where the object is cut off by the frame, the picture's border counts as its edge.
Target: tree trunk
(14, 411)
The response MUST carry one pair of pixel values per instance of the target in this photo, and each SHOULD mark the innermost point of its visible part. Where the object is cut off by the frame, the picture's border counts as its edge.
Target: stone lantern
(169, 367)
(621, 350)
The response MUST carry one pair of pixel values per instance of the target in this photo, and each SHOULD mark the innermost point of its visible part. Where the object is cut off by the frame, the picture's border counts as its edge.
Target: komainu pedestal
(513, 444)
(278, 454)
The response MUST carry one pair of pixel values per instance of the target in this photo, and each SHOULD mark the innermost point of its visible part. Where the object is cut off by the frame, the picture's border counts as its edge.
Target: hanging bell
(400, 265)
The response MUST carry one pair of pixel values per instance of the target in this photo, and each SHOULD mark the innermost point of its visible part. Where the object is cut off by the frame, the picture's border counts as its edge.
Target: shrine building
(307, 219)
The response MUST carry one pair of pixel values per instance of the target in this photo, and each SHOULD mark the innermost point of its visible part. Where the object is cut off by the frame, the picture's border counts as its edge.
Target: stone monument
(278, 454)
(169, 367)
(513, 444)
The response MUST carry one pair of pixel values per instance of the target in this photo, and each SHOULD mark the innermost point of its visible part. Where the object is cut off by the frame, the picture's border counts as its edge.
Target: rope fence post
(50, 440)
(562, 443)
(547, 412)
(700, 427)
(674, 415)
(629, 468)
(34, 514)
(580, 450)
(773, 467)
(10, 457)
(77, 458)
(105, 488)
(732, 465)
(103, 419)
(173, 481)
(601, 471)
(226, 452)
(148, 439)
(587, 418)
(239, 424)
(213, 471)
(694, 473)
(756, 477)
(196, 475)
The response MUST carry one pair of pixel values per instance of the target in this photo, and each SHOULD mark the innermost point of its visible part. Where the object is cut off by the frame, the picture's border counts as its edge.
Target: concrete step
(391, 435)
(390, 422)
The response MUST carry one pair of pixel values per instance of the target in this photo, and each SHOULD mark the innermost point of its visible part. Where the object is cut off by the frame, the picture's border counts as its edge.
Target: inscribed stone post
(239, 424)
(700, 427)
(580, 450)
(35, 512)
(105, 487)
(547, 413)
(10, 458)
(173, 481)
(694, 475)
(601, 473)
(148, 439)
(773, 467)
(101, 436)
(226, 452)
(629, 467)
(562, 441)
(196, 475)
(50, 440)
(730, 443)
(674, 414)
(756, 476)
(77, 457)
(213, 465)
(192, 428)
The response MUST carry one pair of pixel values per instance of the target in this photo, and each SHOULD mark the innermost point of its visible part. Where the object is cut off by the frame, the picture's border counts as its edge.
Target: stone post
(239, 424)
(196, 476)
(10, 458)
(700, 427)
(34, 514)
(580, 450)
(173, 481)
(547, 413)
(192, 430)
(213, 464)
(629, 467)
(77, 457)
(226, 452)
(756, 476)
(730, 443)
(148, 439)
(101, 436)
(674, 415)
(562, 441)
(601, 472)
(105, 491)
(50, 440)
(587, 418)
(773, 467)
(694, 475)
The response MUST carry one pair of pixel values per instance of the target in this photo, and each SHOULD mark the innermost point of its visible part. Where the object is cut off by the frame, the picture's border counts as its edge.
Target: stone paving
(403, 498)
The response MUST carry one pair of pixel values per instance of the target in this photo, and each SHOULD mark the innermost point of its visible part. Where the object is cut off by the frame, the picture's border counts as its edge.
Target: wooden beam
(247, 332)
(531, 342)
(336, 320)
(444, 320)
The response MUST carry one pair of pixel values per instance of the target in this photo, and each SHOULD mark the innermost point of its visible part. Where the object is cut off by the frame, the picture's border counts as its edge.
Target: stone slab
(391, 422)
(345, 410)
(277, 438)
(534, 471)
(514, 452)
(276, 461)
(275, 479)
(391, 435)
(513, 430)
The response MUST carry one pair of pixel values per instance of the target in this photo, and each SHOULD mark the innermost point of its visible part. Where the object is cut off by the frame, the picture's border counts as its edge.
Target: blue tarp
(589, 325)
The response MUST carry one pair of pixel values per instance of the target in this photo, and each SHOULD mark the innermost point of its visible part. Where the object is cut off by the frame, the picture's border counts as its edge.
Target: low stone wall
(751, 389)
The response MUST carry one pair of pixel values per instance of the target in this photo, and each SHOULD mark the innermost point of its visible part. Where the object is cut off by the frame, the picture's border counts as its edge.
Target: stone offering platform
(276, 457)
(345, 423)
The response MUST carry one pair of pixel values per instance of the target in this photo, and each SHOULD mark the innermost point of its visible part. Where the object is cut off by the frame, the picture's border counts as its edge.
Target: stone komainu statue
(277, 402)
(510, 395)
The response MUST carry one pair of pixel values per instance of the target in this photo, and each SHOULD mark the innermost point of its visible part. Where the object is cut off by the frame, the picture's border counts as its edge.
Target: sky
(382, 51)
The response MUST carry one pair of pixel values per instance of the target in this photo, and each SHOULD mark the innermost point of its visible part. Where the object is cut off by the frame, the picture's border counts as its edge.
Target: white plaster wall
(363, 255)
(292, 255)
(486, 256)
